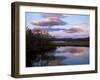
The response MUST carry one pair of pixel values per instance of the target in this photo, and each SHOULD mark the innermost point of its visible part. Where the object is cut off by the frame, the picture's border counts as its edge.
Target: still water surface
(64, 55)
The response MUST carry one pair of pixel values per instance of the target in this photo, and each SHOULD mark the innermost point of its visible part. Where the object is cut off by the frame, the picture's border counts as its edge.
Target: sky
(59, 25)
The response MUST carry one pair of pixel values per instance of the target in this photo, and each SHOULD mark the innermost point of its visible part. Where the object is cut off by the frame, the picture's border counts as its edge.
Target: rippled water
(65, 55)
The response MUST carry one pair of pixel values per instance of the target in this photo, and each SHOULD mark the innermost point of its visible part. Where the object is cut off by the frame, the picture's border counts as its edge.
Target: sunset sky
(60, 25)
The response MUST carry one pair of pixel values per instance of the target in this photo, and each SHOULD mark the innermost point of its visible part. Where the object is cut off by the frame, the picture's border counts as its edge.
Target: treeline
(69, 39)
(37, 42)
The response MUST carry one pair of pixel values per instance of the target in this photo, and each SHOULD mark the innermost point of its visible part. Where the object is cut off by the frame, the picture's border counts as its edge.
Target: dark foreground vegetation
(36, 44)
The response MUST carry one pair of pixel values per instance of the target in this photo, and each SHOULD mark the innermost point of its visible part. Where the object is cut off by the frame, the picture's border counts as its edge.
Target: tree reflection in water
(65, 55)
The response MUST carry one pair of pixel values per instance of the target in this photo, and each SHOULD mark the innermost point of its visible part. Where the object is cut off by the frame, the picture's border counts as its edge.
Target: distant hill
(69, 39)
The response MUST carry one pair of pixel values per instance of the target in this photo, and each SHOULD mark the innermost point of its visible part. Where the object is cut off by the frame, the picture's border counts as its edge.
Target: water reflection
(65, 55)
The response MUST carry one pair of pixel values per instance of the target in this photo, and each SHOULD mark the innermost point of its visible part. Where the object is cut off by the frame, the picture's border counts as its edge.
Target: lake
(62, 55)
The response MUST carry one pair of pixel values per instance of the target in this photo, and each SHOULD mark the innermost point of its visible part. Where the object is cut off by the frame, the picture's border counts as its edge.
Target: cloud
(54, 15)
(61, 27)
(64, 34)
(50, 20)
(74, 30)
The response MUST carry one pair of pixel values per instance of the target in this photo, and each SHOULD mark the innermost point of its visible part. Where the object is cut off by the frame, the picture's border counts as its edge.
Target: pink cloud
(74, 30)
(50, 20)
(54, 15)
(64, 34)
